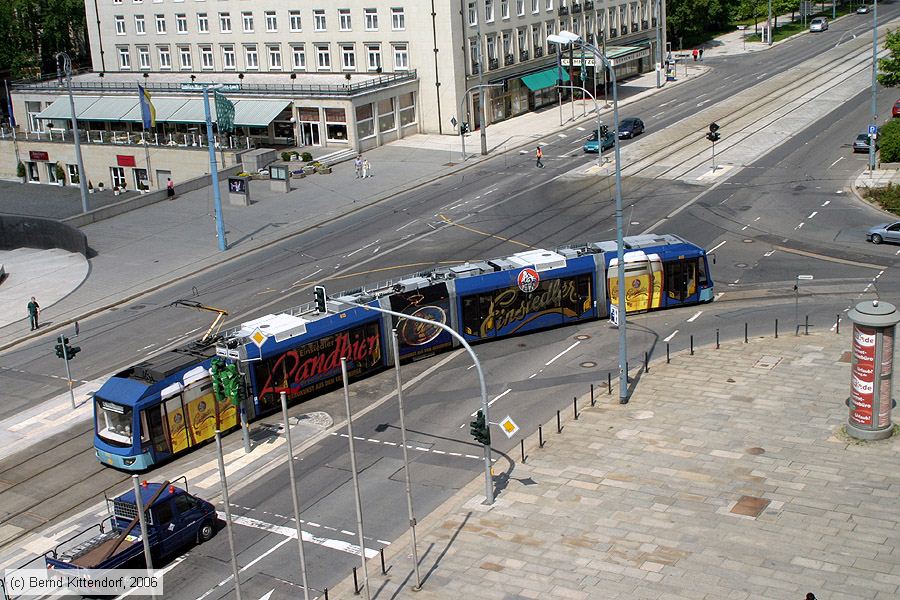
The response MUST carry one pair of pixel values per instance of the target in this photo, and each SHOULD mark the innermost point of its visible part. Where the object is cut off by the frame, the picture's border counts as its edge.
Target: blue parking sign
(873, 129)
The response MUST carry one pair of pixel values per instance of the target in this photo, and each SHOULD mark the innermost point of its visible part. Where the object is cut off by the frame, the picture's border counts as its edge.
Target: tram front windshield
(114, 422)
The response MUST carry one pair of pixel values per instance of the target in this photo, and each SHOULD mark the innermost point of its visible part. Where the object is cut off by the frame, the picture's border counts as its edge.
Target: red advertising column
(871, 372)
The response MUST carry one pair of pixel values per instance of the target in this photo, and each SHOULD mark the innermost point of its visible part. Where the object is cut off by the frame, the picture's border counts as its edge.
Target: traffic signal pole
(69, 379)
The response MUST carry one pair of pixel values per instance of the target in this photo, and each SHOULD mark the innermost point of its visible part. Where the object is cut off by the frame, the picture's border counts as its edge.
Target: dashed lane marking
(291, 532)
(671, 335)
(410, 446)
(696, 315)
(552, 360)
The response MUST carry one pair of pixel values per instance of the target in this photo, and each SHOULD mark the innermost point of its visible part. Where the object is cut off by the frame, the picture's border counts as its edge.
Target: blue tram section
(165, 405)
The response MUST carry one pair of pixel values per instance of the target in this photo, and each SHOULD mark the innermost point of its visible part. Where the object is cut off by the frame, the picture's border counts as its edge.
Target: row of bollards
(356, 588)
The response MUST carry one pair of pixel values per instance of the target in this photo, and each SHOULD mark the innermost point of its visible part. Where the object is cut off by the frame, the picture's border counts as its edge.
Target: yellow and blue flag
(148, 112)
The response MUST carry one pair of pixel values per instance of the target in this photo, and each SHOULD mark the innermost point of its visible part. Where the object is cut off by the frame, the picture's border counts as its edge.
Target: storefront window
(365, 121)
(407, 109)
(386, 120)
(336, 124)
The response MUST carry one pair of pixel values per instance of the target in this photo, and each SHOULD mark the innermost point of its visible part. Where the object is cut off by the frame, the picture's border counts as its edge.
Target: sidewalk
(726, 476)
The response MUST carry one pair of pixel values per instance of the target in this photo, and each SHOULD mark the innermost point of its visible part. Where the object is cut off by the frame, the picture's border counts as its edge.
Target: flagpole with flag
(148, 119)
(12, 120)
(213, 169)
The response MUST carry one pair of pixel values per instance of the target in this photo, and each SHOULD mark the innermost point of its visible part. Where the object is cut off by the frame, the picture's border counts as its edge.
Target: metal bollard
(646, 362)
(609, 383)
(692, 345)
(667, 352)
(746, 339)
(717, 338)
(540, 437)
(837, 324)
(575, 407)
(558, 423)
(326, 593)
(522, 446)
(806, 325)
(592, 394)
(355, 583)
(776, 329)
(383, 570)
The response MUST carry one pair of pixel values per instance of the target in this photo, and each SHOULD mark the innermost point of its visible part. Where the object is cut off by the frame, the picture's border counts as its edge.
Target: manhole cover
(756, 451)
(137, 306)
(588, 364)
(767, 362)
(750, 506)
(582, 336)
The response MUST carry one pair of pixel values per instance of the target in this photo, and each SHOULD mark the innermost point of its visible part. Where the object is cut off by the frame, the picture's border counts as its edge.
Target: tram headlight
(97, 452)
(129, 461)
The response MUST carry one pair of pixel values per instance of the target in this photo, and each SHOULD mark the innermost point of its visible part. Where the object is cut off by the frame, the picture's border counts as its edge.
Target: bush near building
(889, 141)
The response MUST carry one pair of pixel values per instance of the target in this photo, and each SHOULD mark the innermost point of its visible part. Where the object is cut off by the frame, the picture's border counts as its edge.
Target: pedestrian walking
(695, 53)
(170, 188)
(366, 168)
(358, 165)
(34, 311)
(700, 52)
(539, 154)
(810, 596)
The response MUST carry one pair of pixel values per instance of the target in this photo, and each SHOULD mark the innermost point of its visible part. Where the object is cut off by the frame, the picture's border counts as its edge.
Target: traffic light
(64, 350)
(72, 351)
(231, 383)
(215, 374)
(320, 299)
(463, 128)
(713, 134)
(479, 429)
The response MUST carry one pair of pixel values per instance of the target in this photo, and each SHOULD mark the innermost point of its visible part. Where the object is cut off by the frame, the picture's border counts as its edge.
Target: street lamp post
(481, 104)
(82, 176)
(797, 300)
(659, 65)
(567, 37)
(872, 138)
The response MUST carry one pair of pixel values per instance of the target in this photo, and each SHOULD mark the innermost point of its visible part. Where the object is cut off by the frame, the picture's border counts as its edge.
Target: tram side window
(475, 309)
(158, 435)
(582, 301)
(114, 422)
(676, 280)
(702, 280)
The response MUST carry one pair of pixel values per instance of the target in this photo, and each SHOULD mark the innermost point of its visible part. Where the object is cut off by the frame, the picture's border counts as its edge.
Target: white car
(818, 24)
(863, 9)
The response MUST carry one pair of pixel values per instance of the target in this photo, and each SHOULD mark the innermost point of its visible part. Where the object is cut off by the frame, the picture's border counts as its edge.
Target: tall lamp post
(659, 65)
(82, 176)
(872, 137)
(567, 37)
(481, 104)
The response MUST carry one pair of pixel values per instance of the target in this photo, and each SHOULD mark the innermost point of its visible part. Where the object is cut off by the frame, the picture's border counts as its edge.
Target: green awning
(543, 79)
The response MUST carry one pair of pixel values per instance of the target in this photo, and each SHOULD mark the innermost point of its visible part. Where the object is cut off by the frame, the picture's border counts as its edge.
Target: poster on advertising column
(862, 379)
(886, 375)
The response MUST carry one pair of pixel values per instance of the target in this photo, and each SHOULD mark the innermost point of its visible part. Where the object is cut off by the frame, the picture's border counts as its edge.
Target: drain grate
(750, 506)
(767, 362)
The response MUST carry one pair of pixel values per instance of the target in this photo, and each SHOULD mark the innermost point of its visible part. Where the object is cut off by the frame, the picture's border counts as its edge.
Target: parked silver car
(863, 9)
(886, 232)
(818, 24)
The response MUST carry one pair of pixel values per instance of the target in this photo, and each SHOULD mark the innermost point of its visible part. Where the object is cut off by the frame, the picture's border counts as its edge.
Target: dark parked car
(886, 232)
(630, 127)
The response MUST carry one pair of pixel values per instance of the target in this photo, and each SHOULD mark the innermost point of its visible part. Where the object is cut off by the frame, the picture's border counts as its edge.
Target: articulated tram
(165, 406)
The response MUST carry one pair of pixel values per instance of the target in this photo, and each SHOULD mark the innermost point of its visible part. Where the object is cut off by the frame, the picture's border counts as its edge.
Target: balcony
(523, 55)
(576, 8)
(590, 38)
(493, 63)
(653, 21)
(539, 52)
(509, 60)
(634, 28)
(645, 24)
(476, 68)
(624, 29)
(612, 32)
(563, 11)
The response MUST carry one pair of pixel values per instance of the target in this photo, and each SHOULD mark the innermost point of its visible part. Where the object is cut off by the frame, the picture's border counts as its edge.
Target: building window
(73, 174)
(251, 57)
(124, 59)
(373, 54)
(323, 57)
(535, 6)
(160, 23)
(548, 4)
(520, 7)
(228, 57)
(225, 22)
(371, 18)
(386, 121)
(181, 23)
(299, 58)
(120, 24)
(206, 57)
(365, 121)
(271, 21)
(473, 14)
(401, 57)
(117, 1)
(295, 21)
(140, 27)
(407, 109)
(336, 124)
(504, 9)
(319, 18)
(489, 11)
(344, 18)
(184, 57)
(202, 23)
(247, 21)
(274, 57)
(398, 19)
(491, 47)
(348, 57)
(165, 58)
(143, 57)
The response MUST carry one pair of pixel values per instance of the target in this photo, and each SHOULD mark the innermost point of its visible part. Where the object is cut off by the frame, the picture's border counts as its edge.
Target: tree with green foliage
(35, 30)
(889, 141)
(688, 21)
(889, 67)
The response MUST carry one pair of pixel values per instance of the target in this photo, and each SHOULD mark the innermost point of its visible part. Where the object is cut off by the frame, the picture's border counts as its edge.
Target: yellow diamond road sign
(509, 426)
(258, 338)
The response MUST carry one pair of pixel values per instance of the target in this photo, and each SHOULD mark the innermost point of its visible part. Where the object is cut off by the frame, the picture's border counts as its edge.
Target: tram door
(176, 422)
(643, 281)
(681, 282)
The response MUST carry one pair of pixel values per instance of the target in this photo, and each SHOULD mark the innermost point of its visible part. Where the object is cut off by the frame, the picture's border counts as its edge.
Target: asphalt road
(752, 221)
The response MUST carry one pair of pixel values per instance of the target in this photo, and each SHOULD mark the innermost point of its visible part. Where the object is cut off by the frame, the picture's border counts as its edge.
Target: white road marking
(316, 272)
(694, 318)
(671, 335)
(657, 114)
(719, 295)
(826, 203)
(719, 245)
(836, 162)
(760, 76)
(562, 135)
(800, 226)
(407, 225)
(812, 214)
(147, 347)
(707, 101)
(363, 248)
(580, 129)
(472, 456)
(744, 227)
(552, 360)
(291, 532)
(532, 376)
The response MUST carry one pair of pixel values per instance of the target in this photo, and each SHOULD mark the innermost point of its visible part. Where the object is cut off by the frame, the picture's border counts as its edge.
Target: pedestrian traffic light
(479, 429)
(463, 128)
(60, 347)
(231, 383)
(215, 374)
(713, 127)
(319, 292)
(713, 136)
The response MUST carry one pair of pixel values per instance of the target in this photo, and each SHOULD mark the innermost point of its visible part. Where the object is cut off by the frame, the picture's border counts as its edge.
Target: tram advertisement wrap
(862, 377)
(417, 339)
(315, 366)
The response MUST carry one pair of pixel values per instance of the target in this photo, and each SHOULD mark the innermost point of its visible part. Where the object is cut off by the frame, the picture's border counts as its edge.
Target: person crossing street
(539, 154)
